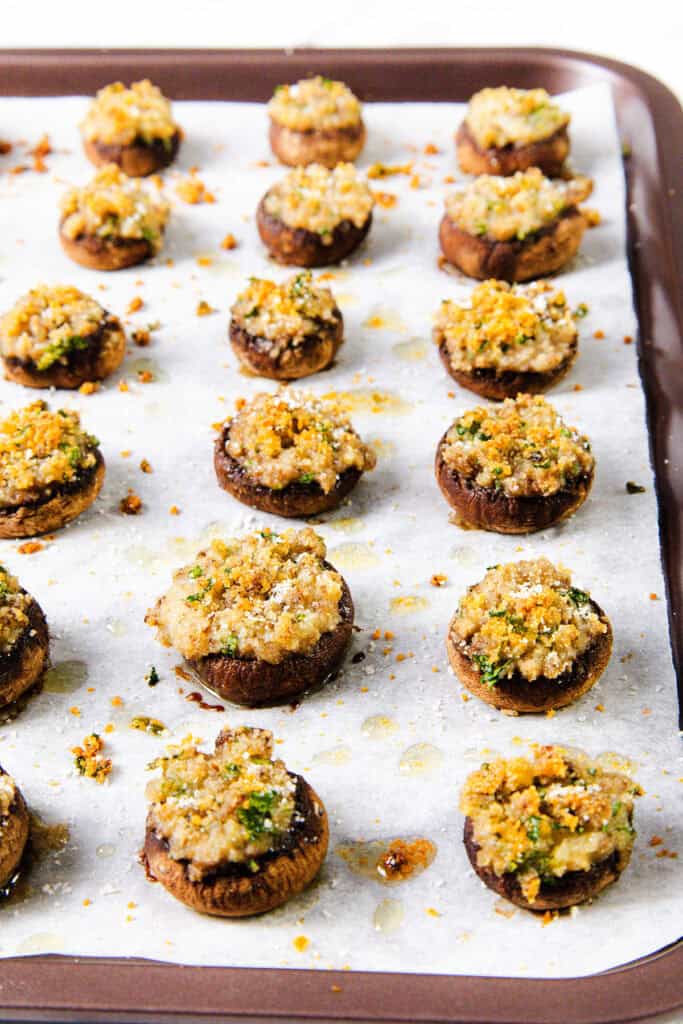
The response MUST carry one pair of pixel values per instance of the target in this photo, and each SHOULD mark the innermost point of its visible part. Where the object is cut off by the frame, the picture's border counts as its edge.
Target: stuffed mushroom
(132, 128)
(290, 454)
(24, 640)
(51, 470)
(315, 216)
(14, 829)
(286, 331)
(514, 468)
(261, 618)
(233, 833)
(507, 339)
(549, 831)
(525, 640)
(59, 337)
(514, 229)
(507, 130)
(315, 121)
(113, 222)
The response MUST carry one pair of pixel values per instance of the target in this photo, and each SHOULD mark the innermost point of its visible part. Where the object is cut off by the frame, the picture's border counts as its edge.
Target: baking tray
(651, 125)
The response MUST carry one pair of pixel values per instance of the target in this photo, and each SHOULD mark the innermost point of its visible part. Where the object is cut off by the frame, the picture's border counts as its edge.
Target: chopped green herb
(59, 349)
(145, 724)
(578, 597)
(632, 488)
(490, 671)
(255, 815)
(152, 677)
(230, 646)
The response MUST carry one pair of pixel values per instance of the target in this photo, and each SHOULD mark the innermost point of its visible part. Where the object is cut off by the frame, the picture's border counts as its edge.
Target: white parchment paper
(97, 578)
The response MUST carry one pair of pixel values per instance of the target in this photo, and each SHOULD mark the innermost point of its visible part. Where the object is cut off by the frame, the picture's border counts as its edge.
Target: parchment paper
(97, 578)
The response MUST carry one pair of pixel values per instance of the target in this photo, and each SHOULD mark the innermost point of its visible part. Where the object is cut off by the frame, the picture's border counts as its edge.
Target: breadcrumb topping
(285, 314)
(503, 117)
(314, 103)
(8, 792)
(520, 447)
(319, 199)
(293, 437)
(514, 207)
(122, 116)
(525, 617)
(113, 206)
(40, 449)
(232, 806)
(14, 606)
(50, 323)
(540, 818)
(264, 595)
(520, 328)
(89, 760)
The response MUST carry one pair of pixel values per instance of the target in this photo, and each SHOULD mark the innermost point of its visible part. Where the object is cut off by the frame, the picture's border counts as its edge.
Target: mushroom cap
(328, 147)
(547, 154)
(252, 682)
(538, 255)
(300, 247)
(28, 659)
(572, 888)
(315, 353)
(233, 890)
(138, 159)
(64, 504)
(524, 696)
(296, 500)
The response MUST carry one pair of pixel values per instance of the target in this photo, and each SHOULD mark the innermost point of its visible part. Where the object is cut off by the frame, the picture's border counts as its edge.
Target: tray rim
(77, 988)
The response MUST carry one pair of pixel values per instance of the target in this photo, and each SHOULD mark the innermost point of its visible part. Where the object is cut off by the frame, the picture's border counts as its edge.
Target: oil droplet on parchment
(388, 861)
(146, 558)
(346, 299)
(411, 351)
(353, 556)
(351, 524)
(334, 756)
(46, 838)
(378, 727)
(147, 366)
(382, 319)
(366, 400)
(105, 851)
(381, 447)
(117, 627)
(420, 759)
(463, 555)
(504, 909)
(65, 676)
(613, 762)
(408, 604)
(41, 942)
(388, 916)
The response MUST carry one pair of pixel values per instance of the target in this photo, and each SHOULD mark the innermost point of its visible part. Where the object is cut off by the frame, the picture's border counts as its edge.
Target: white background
(649, 35)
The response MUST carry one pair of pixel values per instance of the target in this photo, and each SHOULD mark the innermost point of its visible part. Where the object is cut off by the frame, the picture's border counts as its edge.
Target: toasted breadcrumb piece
(89, 760)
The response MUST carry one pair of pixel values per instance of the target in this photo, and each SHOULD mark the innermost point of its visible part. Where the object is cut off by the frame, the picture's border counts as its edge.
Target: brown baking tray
(53, 988)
